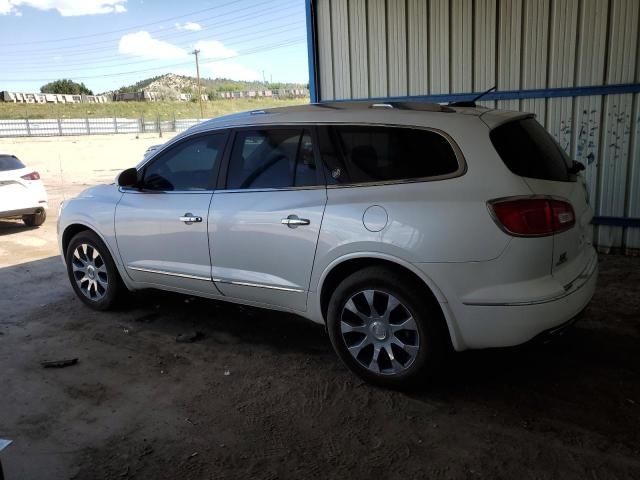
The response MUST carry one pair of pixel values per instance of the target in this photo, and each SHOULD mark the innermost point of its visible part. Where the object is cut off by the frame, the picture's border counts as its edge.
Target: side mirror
(128, 178)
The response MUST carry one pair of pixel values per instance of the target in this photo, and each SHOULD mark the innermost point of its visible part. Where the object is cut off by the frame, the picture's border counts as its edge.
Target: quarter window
(361, 153)
(278, 158)
(189, 166)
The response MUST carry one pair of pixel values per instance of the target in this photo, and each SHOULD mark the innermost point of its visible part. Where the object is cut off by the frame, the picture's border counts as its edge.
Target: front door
(161, 227)
(264, 225)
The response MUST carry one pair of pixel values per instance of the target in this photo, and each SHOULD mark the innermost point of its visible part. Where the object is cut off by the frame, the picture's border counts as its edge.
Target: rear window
(9, 162)
(528, 150)
(361, 153)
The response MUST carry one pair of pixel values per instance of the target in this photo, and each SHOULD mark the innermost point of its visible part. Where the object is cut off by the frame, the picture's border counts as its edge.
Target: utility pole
(196, 52)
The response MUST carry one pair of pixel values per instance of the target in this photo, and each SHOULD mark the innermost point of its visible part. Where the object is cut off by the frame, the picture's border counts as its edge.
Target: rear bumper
(23, 211)
(507, 324)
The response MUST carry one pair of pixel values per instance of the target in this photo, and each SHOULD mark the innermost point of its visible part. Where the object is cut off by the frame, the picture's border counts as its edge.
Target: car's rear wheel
(92, 272)
(35, 219)
(385, 330)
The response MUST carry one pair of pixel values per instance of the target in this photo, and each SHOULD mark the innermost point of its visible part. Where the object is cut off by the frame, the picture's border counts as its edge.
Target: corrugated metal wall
(382, 48)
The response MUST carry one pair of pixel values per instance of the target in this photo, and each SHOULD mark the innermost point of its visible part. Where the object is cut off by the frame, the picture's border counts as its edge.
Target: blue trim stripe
(517, 94)
(311, 50)
(617, 221)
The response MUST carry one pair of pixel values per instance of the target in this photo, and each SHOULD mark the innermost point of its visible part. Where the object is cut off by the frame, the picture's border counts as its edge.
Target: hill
(185, 84)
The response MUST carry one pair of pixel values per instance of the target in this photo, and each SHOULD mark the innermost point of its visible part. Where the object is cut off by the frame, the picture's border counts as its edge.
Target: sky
(110, 43)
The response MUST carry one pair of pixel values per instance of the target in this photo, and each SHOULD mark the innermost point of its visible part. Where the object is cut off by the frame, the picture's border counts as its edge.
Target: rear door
(530, 151)
(264, 223)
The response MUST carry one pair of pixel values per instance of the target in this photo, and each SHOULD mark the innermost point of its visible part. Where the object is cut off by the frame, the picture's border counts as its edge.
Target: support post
(196, 52)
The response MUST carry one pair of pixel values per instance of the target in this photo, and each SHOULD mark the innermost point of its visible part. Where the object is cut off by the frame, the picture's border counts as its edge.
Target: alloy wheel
(380, 332)
(90, 272)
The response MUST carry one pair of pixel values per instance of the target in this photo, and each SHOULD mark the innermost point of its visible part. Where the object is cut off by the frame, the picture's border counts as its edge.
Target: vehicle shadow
(600, 351)
(9, 226)
(225, 322)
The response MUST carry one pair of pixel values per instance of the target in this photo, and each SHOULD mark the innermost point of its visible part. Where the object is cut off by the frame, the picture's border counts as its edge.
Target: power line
(255, 35)
(74, 50)
(168, 19)
(210, 60)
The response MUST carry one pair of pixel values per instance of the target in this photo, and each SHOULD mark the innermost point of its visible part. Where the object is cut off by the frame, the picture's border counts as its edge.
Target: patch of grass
(148, 110)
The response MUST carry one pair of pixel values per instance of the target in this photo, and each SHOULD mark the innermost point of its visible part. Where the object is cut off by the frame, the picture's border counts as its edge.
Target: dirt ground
(262, 395)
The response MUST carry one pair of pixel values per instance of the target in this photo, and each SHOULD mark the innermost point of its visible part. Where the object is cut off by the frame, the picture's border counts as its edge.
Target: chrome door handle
(292, 221)
(190, 218)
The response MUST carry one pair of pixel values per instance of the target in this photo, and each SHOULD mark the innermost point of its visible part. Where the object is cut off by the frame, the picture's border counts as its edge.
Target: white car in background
(22, 193)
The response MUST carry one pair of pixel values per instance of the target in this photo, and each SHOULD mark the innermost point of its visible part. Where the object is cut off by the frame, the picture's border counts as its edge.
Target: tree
(66, 86)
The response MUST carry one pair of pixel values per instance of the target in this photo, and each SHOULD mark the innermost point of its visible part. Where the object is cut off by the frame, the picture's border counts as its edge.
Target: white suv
(22, 193)
(405, 228)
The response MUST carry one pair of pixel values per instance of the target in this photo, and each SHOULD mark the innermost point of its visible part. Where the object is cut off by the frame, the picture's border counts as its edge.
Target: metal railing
(91, 126)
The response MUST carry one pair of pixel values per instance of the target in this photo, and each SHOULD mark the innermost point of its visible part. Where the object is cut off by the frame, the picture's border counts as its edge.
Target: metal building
(575, 63)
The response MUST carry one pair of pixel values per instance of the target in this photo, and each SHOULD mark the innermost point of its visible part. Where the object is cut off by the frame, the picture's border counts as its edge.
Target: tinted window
(355, 154)
(189, 165)
(528, 150)
(9, 162)
(276, 158)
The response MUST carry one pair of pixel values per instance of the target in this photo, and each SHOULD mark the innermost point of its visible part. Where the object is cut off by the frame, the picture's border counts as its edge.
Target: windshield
(9, 162)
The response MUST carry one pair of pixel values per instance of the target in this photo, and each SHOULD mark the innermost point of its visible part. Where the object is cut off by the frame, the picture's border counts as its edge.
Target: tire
(35, 219)
(92, 272)
(424, 341)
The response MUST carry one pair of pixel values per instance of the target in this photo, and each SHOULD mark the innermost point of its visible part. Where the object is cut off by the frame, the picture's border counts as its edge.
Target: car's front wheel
(385, 330)
(35, 219)
(92, 272)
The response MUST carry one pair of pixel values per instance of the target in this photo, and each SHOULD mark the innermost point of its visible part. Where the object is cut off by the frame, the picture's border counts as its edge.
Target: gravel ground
(262, 395)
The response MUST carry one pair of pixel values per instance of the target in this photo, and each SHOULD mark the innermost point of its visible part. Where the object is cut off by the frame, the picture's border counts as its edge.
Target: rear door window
(272, 158)
(528, 150)
(9, 162)
(364, 153)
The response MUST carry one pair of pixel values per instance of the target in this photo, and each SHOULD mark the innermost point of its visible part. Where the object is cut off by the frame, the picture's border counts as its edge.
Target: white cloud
(193, 26)
(142, 44)
(214, 49)
(233, 71)
(66, 8)
(5, 7)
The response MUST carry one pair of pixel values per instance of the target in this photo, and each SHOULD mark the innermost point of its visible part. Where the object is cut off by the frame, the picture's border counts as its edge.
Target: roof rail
(381, 105)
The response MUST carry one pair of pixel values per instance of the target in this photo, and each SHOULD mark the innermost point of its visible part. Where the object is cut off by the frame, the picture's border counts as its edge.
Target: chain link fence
(91, 126)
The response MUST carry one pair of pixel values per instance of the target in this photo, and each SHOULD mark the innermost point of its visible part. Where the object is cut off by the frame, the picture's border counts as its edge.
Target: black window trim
(171, 146)
(221, 186)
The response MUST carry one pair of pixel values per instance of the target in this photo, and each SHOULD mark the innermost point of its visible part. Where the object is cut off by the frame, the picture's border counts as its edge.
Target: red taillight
(533, 216)
(31, 176)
